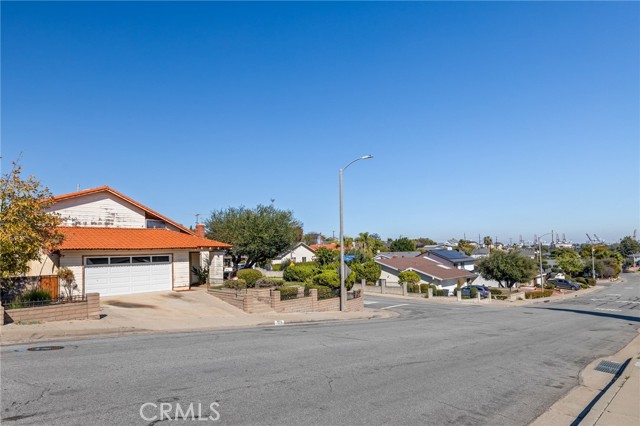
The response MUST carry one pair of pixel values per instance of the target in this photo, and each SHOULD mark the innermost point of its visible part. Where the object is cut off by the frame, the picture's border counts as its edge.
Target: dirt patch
(128, 304)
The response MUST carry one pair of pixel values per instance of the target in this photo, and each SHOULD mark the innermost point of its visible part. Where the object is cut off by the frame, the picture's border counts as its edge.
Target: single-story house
(430, 272)
(328, 246)
(115, 245)
(299, 253)
(390, 254)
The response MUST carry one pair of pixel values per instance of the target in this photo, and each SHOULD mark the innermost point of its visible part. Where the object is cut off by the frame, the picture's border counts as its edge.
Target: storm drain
(608, 367)
(45, 348)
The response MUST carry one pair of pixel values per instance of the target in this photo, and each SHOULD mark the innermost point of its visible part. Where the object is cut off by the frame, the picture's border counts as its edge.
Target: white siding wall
(298, 253)
(181, 273)
(102, 210)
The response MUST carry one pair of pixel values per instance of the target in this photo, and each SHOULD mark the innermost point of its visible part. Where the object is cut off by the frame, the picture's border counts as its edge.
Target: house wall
(101, 210)
(297, 254)
(46, 265)
(181, 269)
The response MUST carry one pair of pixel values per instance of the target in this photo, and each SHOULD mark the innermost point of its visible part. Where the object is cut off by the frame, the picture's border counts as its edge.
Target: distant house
(330, 246)
(390, 254)
(299, 253)
(451, 258)
(480, 252)
(430, 272)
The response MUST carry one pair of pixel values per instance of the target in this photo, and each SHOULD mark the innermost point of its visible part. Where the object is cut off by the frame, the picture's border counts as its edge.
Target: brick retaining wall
(88, 309)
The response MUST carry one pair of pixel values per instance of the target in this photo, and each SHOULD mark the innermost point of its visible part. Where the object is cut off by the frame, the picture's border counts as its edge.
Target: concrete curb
(93, 333)
(568, 409)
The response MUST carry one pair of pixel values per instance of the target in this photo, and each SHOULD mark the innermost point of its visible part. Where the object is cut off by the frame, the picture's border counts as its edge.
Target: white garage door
(114, 275)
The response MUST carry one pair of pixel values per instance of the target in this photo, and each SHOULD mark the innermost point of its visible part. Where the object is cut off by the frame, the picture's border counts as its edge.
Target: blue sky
(491, 118)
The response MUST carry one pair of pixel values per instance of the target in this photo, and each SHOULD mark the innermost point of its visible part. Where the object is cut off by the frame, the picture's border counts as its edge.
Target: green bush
(591, 281)
(33, 295)
(277, 267)
(497, 291)
(238, 284)
(327, 278)
(299, 272)
(269, 282)
(250, 276)
(580, 280)
(287, 293)
(473, 293)
(424, 288)
(537, 294)
(323, 292)
(440, 293)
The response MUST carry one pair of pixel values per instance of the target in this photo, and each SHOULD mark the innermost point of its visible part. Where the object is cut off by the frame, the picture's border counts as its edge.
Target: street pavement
(435, 364)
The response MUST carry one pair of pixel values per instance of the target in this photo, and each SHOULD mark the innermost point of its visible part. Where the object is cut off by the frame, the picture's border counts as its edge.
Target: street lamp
(540, 254)
(343, 293)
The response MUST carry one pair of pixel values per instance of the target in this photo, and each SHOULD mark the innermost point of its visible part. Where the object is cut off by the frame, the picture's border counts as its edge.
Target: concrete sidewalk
(194, 310)
(617, 405)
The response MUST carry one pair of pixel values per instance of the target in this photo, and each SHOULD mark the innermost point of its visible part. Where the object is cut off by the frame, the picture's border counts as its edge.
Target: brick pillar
(489, 297)
(479, 296)
(404, 289)
(1, 315)
(314, 298)
(93, 305)
(430, 292)
(275, 300)
(459, 294)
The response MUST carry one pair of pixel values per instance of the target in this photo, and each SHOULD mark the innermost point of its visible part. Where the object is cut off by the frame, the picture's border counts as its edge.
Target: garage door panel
(110, 280)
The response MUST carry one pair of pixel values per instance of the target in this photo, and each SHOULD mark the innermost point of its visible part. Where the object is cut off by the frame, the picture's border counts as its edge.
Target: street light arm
(364, 157)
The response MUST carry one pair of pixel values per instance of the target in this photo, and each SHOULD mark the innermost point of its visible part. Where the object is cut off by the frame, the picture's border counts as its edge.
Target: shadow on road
(597, 314)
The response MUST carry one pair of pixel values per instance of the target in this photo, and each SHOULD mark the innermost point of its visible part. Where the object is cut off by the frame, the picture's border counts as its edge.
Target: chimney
(200, 230)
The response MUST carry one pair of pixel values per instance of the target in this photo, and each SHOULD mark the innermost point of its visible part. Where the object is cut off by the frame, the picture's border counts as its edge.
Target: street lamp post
(540, 255)
(343, 293)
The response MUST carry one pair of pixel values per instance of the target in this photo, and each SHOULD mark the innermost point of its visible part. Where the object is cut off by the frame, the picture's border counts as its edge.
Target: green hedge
(327, 278)
(33, 295)
(299, 272)
(424, 288)
(498, 291)
(538, 294)
(269, 282)
(323, 292)
(237, 284)
(250, 276)
(287, 293)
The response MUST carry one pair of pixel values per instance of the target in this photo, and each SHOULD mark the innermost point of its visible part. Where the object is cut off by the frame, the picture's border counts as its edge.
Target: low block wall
(229, 296)
(88, 309)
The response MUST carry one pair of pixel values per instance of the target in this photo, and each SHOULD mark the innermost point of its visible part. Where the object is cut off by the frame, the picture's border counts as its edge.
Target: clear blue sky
(488, 118)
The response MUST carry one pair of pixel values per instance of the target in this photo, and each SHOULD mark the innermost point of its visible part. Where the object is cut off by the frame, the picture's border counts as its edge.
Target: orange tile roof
(330, 246)
(91, 238)
(110, 190)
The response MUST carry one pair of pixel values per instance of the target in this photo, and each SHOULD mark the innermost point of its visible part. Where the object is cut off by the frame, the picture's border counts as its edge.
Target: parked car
(565, 284)
(482, 290)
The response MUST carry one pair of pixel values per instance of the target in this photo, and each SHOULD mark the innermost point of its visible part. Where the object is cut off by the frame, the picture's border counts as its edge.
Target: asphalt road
(434, 365)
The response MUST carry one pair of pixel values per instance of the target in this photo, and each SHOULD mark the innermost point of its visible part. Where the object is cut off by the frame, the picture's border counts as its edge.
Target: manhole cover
(608, 367)
(45, 348)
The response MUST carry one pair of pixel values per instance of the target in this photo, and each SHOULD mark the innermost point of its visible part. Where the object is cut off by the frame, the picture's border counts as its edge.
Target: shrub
(277, 267)
(299, 272)
(591, 281)
(323, 292)
(327, 278)
(68, 281)
(409, 277)
(440, 293)
(287, 293)
(33, 295)
(497, 291)
(580, 280)
(584, 285)
(473, 293)
(201, 273)
(250, 276)
(371, 283)
(269, 282)
(238, 284)
(424, 288)
(537, 294)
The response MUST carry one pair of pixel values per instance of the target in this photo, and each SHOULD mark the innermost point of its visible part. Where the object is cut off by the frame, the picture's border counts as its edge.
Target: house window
(160, 259)
(293, 259)
(141, 259)
(120, 260)
(97, 261)
(304, 259)
(153, 223)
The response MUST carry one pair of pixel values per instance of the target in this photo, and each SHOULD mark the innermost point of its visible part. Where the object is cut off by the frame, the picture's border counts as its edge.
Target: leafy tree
(487, 241)
(507, 268)
(369, 271)
(465, 246)
(26, 229)
(425, 242)
(409, 277)
(324, 256)
(628, 246)
(403, 244)
(260, 234)
(569, 261)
